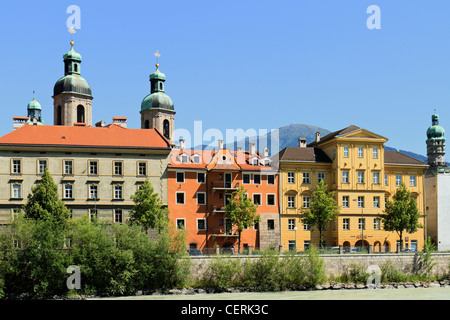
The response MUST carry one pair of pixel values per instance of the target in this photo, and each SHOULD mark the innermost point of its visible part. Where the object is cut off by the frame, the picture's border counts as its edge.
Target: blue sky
(240, 64)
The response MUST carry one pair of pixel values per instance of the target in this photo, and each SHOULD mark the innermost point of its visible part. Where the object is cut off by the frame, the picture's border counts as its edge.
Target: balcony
(217, 209)
(220, 232)
(224, 186)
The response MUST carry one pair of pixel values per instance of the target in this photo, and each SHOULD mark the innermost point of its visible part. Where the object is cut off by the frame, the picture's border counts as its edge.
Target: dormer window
(266, 162)
(255, 162)
(196, 158)
(184, 158)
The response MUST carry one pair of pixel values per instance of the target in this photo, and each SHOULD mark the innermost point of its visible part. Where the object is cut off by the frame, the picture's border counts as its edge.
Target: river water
(439, 293)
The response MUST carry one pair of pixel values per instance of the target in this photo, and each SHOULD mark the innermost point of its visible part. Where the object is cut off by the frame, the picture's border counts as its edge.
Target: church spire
(436, 143)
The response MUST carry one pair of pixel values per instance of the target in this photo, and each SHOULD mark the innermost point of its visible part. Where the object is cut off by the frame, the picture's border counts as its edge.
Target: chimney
(252, 146)
(266, 152)
(317, 136)
(121, 121)
(182, 144)
(220, 144)
(100, 124)
(302, 142)
(19, 121)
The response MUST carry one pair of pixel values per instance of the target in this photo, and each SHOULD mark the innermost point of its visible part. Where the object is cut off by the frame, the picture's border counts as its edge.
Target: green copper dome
(435, 131)
(157, 100)
(33, 104)
(72, 82)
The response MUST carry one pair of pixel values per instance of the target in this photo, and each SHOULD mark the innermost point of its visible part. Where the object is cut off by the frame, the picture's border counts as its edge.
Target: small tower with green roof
(157, 109)
(34, 112)
(436, 143)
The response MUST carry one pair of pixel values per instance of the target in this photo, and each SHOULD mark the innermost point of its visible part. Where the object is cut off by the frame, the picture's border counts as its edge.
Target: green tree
(148, 210)
(242, 212)
(44, 204)
(401, 214)
(323, 209)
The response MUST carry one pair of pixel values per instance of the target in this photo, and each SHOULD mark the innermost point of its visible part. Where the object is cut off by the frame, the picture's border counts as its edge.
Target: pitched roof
(395, 157)
(303, 154)
(335, 134)
(112, 135)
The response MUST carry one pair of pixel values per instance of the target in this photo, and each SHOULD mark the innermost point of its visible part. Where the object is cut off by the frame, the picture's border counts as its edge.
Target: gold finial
(157, 55)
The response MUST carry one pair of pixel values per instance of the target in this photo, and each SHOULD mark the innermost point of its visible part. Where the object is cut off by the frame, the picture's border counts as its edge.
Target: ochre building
(354, 164)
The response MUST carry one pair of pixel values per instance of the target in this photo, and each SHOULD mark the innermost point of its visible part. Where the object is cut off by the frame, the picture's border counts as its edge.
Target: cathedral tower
(436, 143)
(72, 95)
(157, 110)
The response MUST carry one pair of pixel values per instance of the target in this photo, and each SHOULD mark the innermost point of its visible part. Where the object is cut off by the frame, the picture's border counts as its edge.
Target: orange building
(200, 182)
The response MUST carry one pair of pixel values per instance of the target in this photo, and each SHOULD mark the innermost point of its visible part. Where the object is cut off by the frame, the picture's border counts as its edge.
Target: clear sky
(240, 63)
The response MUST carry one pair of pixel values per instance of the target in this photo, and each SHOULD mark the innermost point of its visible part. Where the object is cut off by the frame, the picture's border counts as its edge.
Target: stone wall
(336, 264)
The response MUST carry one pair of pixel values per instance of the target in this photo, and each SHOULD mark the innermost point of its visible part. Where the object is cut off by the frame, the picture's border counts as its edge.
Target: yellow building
(355, 165)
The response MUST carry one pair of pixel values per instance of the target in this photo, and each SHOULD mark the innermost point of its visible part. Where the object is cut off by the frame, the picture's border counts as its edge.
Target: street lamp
(295, 230)
(362, 224)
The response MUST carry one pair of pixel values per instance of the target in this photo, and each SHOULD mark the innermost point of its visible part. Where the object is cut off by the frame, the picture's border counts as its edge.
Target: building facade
(96, 168)
(200, 183)
(354, 165)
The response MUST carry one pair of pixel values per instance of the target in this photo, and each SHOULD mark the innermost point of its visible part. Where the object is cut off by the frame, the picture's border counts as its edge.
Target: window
(306, 177)
(180, 197)
(16, 213)
(292, 246)
(256, 179)
(92, 214)
(201, 178)
(398, 180)
(196, 158)
(321, 176)
(385, 179)
(360, 202)
(346, 152)
(291, 177)
(377, 224)
(17, 191)
(306, 227)
(184, 158)
(360, 152)
(118, 168)
(360, 176)
(181, 224)
(346, 224)
(257, 198)
(270, 224)
(270, 199)
(306, 244)
(412, 181)
(376, 202)
(201, 198)
(93, 192)
(118, 215)
(68, 191)
(93, 167)
(42, 166)
(16, 166)
(291, 224)
(375, 153)
(345, 200)
(291, 202)
(118, 192)
(344, 176)
(376, 177)
(68, 167)
(180, 177)
(271, 179)
(142, 168)
(255, 161)
(246, 178)
(362, 224)
(306, 202)
(201, 224)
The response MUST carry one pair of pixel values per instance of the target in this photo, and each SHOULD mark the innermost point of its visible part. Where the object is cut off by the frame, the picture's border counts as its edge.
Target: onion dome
(157, 99)
(72, 82)
(435, 131)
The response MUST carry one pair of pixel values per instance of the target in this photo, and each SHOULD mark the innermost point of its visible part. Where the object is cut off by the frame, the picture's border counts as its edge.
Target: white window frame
(306, 202)
(184, 197)
(177, 225)
(176, 176)
(271, 175)
(398, 179)
(68, 191)
(346, 224)
(376, 177)
(117, 192)
(345, 151)
(360, 201)
(260, 178)
(345, 201)
(16, 191)
(375, 153)
(260, 198)
(306, 178)
(345, 175)
(360, 176)
(274, 199)
(204, 177)
(360, 152)
(291, 177)
(67, 167)
(376, 202)
(291, 201)
(196, 196)
(291, 224)
(249, 178)
(92, 188)
(204, 224)
(320, 176)
(412, 180)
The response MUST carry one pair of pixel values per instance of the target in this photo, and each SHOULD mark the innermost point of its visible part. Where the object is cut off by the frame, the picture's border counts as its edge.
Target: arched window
(166, 129)
(80, 114)
(160, 86)
(58, 120)
(147, 124)
(75, 66)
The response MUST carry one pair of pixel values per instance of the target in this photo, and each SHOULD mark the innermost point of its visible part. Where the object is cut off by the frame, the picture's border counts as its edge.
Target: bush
(390, 274)
(223, 272)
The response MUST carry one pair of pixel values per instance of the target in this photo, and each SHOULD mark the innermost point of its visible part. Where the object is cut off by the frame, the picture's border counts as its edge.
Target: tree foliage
(323, 209)
(241, 211)
(43, 202)
(148, 210)
(401, 214)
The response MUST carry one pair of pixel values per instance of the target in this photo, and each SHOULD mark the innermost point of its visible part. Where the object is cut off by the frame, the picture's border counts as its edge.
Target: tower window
(147, 124)
(75, 67)
(58, 121)
(160, 86)
(166, 129)
(80, 114)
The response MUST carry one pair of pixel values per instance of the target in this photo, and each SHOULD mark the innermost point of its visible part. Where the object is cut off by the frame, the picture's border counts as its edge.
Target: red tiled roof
(109, 136)
(395, 157)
